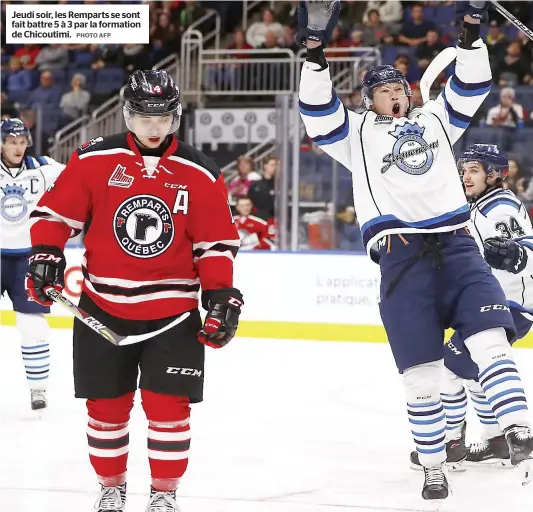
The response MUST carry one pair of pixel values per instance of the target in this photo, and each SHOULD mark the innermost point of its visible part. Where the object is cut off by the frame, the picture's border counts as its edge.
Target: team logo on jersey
(90, 143)
(410, 153)
(143, 226)
(13, 205)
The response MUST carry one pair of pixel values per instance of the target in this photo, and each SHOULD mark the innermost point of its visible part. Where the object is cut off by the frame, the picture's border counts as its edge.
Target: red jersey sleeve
(214, 236)
(63, 209)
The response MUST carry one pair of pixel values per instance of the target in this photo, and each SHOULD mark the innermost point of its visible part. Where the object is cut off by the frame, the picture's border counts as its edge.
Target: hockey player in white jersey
(502, 229)
(23, 180)
(414, 218)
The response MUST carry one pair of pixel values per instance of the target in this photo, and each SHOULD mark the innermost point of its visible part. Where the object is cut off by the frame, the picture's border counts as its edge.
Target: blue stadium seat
(486, 135)
(80, 59)
(444, 15)
(50, 119)
(19, 97)
(108, 80)
(59, 77)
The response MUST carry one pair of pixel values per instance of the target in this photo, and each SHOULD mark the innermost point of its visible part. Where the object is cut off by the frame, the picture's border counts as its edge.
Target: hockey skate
(111, 499)
(436, 486)
(456, 453)
(38, 399)
(520, 441)
(162, 502)
(491, 453)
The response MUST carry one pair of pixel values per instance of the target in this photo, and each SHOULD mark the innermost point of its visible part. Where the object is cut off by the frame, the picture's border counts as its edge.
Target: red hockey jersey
(158, 227)
(255, 233)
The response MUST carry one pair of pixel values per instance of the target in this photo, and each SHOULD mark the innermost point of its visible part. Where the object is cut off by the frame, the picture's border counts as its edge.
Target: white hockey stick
(435, 68)
(100, 328)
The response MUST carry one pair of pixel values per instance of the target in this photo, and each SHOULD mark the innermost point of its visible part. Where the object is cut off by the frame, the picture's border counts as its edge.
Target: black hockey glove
(223, 309)
(46, 268)
(475, 8)
(316, 21)
(505, 254)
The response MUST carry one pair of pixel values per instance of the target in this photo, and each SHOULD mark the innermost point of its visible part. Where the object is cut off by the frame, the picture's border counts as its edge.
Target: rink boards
(313, 296)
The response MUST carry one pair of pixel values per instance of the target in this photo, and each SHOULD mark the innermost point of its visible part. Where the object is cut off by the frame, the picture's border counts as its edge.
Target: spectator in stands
(416, 98)
(414, 32)
(527, 46)
(47, 94)
(428, 50)
(256, 33)
(18, 79)
(76, 102)
(496, 42)
(507, 112)
(354, 102)
(338, 41)
(390, 12)
(233, 73)
(514, 68)
(135, 56)
(240, 184)
(374, 30)
(262, 192)
(353, 11)
(288, 14)
(347, 230)
(106, 56)
(7, 108)
(27, 55)
(515, 181)
(273, 75)
(192, 12)
(288, 39)
(164, 37)
(52, 57)
(404, 64)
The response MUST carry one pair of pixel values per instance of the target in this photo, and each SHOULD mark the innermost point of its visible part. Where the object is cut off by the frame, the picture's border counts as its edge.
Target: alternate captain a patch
(410, 153)
(143, 226)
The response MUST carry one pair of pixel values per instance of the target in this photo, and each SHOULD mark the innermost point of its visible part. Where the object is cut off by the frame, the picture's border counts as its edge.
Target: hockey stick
(515, 21)
(435, 68)
(100, 328)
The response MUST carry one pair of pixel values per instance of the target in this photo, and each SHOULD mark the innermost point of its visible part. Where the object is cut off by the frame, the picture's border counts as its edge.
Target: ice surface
(286, 426)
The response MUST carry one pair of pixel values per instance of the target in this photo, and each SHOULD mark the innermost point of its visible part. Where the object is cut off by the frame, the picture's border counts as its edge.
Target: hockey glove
(505, 254)
(475, 8)
(223, 310)
(316, 21)
(46, 268)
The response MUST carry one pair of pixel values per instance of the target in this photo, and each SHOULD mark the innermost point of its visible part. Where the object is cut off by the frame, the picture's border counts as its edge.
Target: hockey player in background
(414, 216)
(502, 229)
(23, 180)
(159, 228)
(255, 233)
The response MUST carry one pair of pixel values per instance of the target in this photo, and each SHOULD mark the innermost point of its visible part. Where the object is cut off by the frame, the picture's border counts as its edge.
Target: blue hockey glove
(316, 21)
(505, 254)
(475, 8)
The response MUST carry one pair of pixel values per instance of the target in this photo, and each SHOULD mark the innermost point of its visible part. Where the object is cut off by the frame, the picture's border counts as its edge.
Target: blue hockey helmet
(493, 161)
(14, 127)
(382, 75)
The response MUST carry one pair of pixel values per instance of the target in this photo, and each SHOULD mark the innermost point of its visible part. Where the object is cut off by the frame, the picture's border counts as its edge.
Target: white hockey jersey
(405, 177)
(20, 190)
(501, 213)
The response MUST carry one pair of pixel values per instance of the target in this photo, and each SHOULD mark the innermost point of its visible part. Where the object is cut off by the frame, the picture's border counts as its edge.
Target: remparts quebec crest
(143, 226)
(410, 153)
(13, 205)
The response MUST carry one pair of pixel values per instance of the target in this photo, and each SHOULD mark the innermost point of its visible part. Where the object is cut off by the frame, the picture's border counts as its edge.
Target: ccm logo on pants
(494, 307)
(184, 371)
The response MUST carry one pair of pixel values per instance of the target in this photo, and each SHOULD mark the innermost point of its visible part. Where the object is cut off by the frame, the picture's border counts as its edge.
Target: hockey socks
(455, 405)
(35, 348)
(484, 412)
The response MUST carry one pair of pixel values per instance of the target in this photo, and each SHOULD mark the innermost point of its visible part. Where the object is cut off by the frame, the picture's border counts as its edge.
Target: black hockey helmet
(151, 93)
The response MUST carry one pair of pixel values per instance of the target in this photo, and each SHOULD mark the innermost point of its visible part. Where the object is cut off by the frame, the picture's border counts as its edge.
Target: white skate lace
(162, 502)
(479, 447)
(521, 433)
(109, 499)
(434, 476)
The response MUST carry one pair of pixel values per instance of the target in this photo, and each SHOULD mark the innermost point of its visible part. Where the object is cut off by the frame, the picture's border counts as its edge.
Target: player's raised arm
(470, 84)
(327, 121)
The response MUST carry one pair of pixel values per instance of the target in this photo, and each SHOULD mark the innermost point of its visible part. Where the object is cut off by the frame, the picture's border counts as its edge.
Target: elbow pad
(469, 34)
(316, 56)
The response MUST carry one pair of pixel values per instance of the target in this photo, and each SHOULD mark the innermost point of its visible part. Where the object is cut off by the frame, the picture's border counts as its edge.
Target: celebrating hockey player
(501, 226)
(23, 180)
(159, 228)
(414, 218)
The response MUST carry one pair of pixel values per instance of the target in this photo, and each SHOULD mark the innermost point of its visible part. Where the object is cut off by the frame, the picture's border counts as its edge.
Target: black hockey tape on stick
(100, 328)
(515, 21)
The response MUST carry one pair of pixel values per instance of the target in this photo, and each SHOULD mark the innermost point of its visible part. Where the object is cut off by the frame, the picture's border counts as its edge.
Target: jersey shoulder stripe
(190, 153)
(500, 198)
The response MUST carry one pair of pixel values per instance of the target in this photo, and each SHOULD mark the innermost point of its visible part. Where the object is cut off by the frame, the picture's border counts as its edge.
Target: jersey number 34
(509, 229)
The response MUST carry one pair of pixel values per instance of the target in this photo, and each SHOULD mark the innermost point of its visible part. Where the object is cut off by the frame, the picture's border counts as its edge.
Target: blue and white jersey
(501, 213)
(20, 190)
(404, 172)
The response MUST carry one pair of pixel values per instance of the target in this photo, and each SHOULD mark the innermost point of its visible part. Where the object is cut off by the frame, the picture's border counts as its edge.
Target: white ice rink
(286, 426)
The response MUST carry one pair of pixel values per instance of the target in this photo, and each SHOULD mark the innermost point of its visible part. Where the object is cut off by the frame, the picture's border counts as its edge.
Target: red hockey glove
(46, 268)
(223, 310)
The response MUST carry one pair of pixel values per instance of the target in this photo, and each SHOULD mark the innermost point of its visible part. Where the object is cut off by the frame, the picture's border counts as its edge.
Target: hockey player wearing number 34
(414, 219)
(159, 228)
(23, 180)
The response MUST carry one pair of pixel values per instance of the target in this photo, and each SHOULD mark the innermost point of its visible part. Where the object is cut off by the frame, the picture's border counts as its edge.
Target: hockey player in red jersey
(255, 233)
(159, 227)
